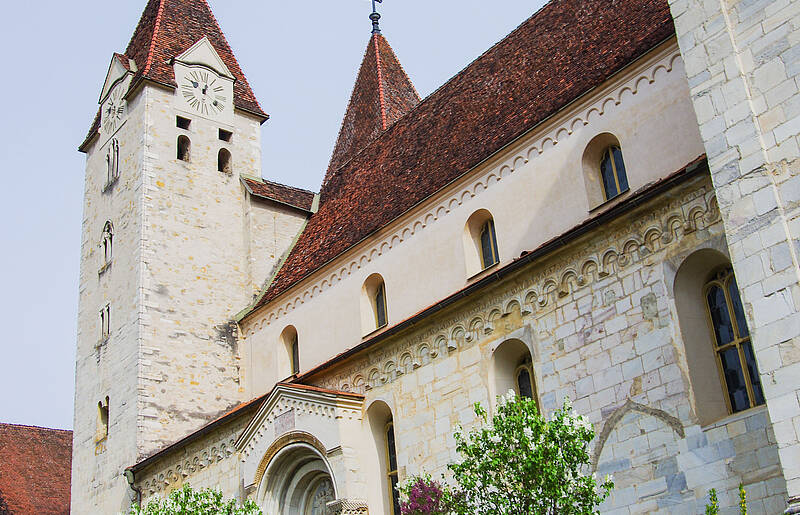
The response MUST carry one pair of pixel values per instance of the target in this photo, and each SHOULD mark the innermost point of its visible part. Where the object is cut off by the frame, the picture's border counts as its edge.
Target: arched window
(612, 171)
(374, 311)
(391, 467)
(488, 244)
(184, 148)
(524, 381)
(512, 369)
(733, 349)
(224, 161)
(480, 242)
(105, 323)
(290, 342)
(108, 243)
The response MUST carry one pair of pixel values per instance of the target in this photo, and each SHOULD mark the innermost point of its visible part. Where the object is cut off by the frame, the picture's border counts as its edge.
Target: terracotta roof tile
(168, 28)
(289, 195)
(382, 94)
(561, 52)
(35, 469)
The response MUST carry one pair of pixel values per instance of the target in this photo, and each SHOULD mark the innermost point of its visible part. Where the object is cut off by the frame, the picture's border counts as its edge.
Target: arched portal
(297, 480)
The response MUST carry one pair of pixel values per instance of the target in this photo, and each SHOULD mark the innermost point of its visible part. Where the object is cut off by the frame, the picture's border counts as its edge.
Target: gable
(119, 67)
(203, 53)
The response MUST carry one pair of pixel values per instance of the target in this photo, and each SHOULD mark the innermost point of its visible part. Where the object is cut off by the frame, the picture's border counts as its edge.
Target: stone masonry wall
(743, 65)
(601, 324)
(107, 368)
(208, 462)
(196, 271)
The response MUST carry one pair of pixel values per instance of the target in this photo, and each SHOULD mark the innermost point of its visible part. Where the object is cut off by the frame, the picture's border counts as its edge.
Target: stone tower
(743, 66)
(175, 241)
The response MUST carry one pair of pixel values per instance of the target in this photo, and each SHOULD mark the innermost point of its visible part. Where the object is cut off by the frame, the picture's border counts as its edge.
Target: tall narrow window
(734, 351)
(612, 170)
(380, 306)
(108, 243)
(112, 162)
(488, 244)
(391, 468)
(525, 382)
(184, 148)
(224, 161)
(102, 420)
(295, 356)
(105, 322)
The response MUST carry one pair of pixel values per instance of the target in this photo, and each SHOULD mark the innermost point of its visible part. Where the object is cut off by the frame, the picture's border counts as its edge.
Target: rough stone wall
(743, 65)
(272, 229)
(108, 368)
(181, 270)
(601, 324)
(208, 462)
(195, 271)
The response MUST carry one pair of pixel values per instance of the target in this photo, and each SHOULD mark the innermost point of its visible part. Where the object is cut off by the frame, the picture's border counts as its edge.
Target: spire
(382, 94)
(375, 17)
(168, 28)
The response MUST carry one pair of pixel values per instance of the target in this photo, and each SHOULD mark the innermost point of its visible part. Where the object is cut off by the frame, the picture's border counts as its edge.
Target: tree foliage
(185, 501)
(521, 463)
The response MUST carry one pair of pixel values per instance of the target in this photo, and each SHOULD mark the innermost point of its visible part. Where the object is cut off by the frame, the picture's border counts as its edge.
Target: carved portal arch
(294, 477)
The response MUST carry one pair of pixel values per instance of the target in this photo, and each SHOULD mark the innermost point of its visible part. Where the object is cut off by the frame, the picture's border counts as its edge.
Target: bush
(186, 501)
(520, 464)
(421, 495)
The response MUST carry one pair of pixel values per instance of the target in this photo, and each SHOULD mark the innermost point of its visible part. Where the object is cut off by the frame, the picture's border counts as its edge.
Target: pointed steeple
(168, 28)
(382, 94)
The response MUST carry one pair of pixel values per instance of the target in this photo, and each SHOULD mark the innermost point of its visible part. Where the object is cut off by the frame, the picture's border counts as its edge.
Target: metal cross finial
(375, 17)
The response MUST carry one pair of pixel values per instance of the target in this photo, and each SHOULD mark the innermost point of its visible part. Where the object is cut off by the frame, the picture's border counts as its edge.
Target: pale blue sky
(301, 59)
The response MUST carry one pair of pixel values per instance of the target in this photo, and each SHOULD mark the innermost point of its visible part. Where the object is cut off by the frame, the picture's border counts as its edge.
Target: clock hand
(195, 84)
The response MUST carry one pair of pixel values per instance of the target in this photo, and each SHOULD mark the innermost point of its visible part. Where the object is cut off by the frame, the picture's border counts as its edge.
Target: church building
(604, 206)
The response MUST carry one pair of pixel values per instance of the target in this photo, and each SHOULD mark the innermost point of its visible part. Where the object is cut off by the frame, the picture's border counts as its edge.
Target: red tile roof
(168, 28)
(382, 94)
(35, 469)
(563, 51)
(289, 195)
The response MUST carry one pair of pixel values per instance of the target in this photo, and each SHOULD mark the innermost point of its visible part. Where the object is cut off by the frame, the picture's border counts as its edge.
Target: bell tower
(174, 243)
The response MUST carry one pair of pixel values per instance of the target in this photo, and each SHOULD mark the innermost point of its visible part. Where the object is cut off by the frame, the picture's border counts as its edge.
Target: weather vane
(375, 17)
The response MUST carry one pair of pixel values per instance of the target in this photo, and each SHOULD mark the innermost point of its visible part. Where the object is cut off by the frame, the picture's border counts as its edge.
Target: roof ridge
(26, 426)
(154, 37)
(378, 67)
(261, 179)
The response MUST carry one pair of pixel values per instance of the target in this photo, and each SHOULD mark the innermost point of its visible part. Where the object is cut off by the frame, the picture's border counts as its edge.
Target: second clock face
(113, 110)
(203, 91)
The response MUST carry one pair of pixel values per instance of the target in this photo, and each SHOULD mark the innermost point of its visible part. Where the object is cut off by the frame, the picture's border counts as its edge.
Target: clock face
(113, 110)
(203, 92)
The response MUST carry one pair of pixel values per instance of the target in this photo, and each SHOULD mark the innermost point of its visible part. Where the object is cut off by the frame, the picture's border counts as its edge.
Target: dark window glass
(720, 316)
(612, 170)
(619, 164)
(752, 369)
(488, 244)
(391, 454)
(734, 378)
(524, 384)
(295, 356)
(738, 311)
(380, 306)
(391, 448)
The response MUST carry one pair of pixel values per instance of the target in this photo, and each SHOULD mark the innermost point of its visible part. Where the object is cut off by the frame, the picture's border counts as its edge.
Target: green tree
(187, 501)
(524, 464)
